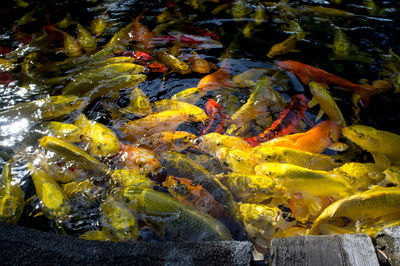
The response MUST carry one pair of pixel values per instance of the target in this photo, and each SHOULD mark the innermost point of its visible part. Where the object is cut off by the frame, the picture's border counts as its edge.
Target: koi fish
(119, 223)
(168, 140)
(324, 135)
(216, 80)
(186, 191)
(378, 202)
(141, 33)
(308, 73)
(135, 157)
(202, 32)
(154, 123)
(262, 101)
(284, 47)
(181, 222)
(287, 122)
(200, 65)
(11, 196)
(383, 145)
(215, 112)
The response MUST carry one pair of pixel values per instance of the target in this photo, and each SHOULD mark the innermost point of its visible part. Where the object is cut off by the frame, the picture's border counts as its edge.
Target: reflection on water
(247, 142)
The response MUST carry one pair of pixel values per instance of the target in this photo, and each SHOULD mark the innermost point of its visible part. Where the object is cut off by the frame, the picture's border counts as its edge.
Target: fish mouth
(348, 132)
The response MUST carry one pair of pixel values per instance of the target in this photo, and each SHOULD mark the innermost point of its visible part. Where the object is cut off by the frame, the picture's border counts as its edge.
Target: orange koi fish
(287, 122)
(139, 158)
(216, 80)
(185, 191)
(308, 73)
(141, 33)
(215, 112)
(323, 135)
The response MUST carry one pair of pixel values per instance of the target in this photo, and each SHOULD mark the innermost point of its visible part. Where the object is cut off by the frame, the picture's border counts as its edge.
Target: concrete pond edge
(22, 246)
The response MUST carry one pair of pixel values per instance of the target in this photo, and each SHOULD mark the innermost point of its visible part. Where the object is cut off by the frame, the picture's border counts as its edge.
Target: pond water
(200, 120)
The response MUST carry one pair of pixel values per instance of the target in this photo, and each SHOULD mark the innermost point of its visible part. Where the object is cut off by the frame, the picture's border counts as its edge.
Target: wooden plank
(335, 250)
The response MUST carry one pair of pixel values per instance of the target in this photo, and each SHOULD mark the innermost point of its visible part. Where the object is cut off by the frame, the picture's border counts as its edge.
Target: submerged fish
(376, 203)
(315, 161)
(263, 100)
(324, 135)
(168, 140)
(191, 95)
(101, 140)
(186, 191)
(251, 188)
(308, 73)
(298, 179)
(182, 166)
(119, 222)
(46, 108)
(11, 196)
(87, 80)
(179, 221)
(287, 46)
(210, 143)
(139, 158)
(64, 131)
(195, 114)
(86, 39)
(287, 122)
(139, 103)
(383, 145)
(154, 123)
(72, 152)
(55, 202)
(326, 102)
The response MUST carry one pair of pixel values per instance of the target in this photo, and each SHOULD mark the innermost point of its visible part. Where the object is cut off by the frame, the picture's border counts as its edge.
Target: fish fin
(330, 229)
(313, 102)
(314, 207)
(294, 51)
(338, 146)
(354, 100)
(38, 214)
(381, 160)
(320, 114)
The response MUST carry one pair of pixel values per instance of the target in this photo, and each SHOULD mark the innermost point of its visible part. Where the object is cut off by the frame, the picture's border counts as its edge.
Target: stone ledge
(354, 249)
(388, 240)
(20, 245)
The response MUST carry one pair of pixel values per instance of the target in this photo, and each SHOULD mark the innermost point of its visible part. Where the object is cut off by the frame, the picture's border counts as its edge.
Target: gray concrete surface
(388, 240)
(355, 249)
(23, 246)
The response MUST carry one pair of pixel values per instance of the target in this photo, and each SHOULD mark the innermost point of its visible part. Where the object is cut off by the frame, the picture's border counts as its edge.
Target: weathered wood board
(356, 249)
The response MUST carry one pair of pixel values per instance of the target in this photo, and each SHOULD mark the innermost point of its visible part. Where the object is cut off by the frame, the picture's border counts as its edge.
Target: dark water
(372, 32)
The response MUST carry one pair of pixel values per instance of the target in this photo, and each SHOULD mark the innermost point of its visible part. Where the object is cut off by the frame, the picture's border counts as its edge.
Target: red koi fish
(308, 73)
(287, 122)
(215, 112)
(141, 33)
(4, 50)
(202, 32)
(157, 67)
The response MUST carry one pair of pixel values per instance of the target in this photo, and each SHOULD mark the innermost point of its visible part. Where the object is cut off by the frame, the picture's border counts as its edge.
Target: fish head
(363, 136)
(179, 187)
(288, 65)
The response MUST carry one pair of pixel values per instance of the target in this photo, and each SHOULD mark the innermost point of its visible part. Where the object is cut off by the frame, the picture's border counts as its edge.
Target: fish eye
(267, 173)
(181, 189)
(360, 135)
(267, 157)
